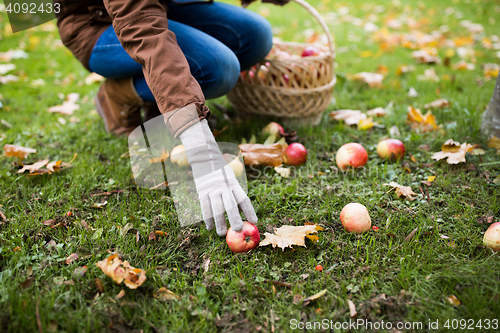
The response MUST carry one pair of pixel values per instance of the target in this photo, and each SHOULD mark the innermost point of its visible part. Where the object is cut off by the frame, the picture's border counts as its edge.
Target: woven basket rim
(291, 90)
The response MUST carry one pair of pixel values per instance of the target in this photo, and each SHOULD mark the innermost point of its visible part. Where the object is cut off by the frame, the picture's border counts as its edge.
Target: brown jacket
(142, 28)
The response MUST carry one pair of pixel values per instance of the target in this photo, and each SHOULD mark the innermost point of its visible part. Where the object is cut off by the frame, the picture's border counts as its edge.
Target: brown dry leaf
(68, 106)
(438, 104)
(453, 300)
(288, 235)
(352, 309)
(410, 235)
(72, 257)
(120, 294)
(34, 167)
(162, 158)
(372, 79)
(99, 204)
(401, 190)
(122, 271)
(313, 297)
(453, 152)
(163, 294)
(270, 155)
(425, 122)
(17, 151)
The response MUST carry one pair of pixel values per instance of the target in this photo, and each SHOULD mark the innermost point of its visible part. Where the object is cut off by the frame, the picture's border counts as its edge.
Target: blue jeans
(218, 40)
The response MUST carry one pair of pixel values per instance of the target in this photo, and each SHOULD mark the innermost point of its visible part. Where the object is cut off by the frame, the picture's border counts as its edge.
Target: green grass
(233, 295)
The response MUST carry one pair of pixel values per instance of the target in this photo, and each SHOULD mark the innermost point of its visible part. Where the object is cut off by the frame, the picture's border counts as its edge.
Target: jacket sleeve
(142, 29)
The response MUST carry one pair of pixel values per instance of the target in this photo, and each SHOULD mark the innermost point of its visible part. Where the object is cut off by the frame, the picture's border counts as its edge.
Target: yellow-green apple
(391, 149)
(273, 128)
(351, 155)
(245, 240)
(178, 155)
(492, 237)
(355, 218)
(295, 154)
(235, 164)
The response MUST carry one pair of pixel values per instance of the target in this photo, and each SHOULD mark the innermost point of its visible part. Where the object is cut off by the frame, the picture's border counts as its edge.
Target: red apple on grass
(310, 51)
(245, 240)
(351, 155)
(391, 149)
(492, 237)
(295, 154)
(355, 218)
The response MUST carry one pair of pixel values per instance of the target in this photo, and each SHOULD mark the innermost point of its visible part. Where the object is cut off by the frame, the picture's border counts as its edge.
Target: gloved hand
(245, 3)
(217, 187)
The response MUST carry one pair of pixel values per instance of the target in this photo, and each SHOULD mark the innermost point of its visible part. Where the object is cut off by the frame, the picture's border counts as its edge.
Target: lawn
(425, 264)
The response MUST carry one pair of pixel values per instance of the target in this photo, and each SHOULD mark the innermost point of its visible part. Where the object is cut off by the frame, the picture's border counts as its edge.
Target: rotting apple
(351, 155)
(178, 155)
(295, 154)
(492, 237)
(355, 218)
(310, 51)
(245, 240)
(235, 164)
(391, 149)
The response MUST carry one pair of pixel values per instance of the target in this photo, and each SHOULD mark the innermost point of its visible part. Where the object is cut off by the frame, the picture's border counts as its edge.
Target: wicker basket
(296, 89)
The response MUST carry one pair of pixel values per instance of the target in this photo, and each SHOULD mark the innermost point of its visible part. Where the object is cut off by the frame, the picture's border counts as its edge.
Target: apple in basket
(310, 50)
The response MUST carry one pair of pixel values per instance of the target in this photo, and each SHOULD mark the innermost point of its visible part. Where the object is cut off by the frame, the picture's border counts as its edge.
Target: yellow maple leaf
(494, 142)
(288, 235)
(17, 151)
(417, 120)
(453, 151)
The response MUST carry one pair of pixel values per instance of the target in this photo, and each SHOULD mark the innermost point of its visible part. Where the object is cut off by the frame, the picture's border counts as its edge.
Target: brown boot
(151, 111)
(119, 106)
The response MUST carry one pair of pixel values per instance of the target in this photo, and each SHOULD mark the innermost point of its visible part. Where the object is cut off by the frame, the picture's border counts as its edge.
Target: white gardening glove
(218, 189)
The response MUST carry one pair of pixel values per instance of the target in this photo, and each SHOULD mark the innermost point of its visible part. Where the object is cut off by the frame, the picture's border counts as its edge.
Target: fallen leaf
(162, 158)
(377, 112)
(163, 294)
(453, 300)
(72, 257)
(27, 283)
(93, 78)
(410, 235)
(403, 69)
(120, 294)
(34, 167)
(99, 204)
(5, 68)
(401, 190)
(350, 117)
(122, 271)
(494, 142)
(80, 271)
(430, 179)
(270, 155)
(438, 104)
(453, 152)
(425, 56)
(284, 172)
(429, 75)
(372, 79)
(13, 54)
(8, 78)
(491, 70)
(464, 65)
(417, 120)
(412, 92)
(99, 285)
(287, 235)
(352, 309)
(17, 151)
(68, 106)
(394, 131)
(307, 300)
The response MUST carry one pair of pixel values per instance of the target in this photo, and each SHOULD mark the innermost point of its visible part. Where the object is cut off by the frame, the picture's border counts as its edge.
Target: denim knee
(220, 75)
(257, 43)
